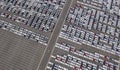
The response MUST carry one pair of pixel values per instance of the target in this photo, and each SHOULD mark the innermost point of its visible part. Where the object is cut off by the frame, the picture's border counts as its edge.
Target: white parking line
(48, 67)
(53, 56)
(50, 63)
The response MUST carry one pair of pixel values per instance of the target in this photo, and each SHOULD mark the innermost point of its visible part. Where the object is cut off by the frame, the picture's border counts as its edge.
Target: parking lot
(60, 34)
(89, 39)
(40, 16)
(23, 32)
(92, 56)
(82, 26)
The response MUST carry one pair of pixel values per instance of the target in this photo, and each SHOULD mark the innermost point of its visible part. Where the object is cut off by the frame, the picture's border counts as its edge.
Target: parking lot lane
(54, 36)
(52, 60)
(78, 46)
(57, 51)
(11, 13)
(95, 7)
(88, 48)
(25, 26)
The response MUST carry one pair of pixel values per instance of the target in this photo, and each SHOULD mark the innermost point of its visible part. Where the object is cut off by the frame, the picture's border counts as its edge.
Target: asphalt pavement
(54, 36)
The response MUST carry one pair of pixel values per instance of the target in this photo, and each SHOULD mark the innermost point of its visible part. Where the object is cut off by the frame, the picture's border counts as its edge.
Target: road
(54, 36)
